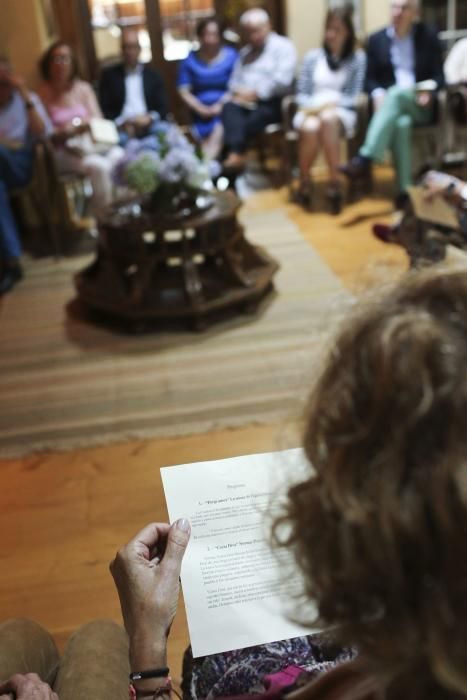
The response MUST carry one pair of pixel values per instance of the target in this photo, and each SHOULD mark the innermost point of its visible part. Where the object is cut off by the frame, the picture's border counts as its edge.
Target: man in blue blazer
(401, 58)
(131, 93)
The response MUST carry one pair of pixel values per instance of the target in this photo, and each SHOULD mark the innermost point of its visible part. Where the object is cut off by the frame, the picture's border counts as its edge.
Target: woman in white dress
(331, 79)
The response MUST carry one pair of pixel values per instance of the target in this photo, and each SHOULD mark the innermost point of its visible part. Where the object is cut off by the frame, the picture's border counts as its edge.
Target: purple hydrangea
(166, 157)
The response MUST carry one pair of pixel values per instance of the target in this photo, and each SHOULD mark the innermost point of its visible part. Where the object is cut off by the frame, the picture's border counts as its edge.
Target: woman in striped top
(331, 78)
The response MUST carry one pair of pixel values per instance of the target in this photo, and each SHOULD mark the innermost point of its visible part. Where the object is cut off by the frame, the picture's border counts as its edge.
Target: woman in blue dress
(202, 83)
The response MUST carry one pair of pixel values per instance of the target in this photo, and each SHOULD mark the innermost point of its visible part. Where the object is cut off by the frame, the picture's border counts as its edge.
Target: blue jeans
(15, 171)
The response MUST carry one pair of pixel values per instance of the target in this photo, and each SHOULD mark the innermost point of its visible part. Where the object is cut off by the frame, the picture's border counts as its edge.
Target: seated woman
(71, 104)
(377, 526)
(202, 83)
(331, 78)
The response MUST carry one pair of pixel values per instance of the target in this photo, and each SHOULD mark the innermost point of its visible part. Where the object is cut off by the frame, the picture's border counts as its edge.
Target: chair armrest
(289, 107)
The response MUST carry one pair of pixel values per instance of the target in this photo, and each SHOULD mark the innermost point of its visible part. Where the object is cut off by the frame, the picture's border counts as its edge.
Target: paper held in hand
(103, 131)
(238, 592)
(434, 211)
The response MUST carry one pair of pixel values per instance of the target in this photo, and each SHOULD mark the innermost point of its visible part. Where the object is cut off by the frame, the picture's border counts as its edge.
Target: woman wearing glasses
(71, 104)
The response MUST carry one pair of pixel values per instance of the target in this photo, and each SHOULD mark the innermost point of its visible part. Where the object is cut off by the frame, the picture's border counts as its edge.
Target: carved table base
(147, 268)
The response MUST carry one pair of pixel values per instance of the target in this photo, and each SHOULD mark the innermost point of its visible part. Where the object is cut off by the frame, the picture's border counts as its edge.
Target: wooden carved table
(148, 267)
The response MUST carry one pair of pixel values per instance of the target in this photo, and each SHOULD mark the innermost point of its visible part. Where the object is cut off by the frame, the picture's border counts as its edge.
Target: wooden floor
(62, 516)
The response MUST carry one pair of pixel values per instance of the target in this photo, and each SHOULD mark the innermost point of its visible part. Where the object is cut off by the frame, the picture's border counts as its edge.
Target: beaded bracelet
(135, 693)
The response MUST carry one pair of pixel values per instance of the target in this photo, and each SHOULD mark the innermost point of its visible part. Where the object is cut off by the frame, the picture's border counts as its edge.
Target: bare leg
(331, 131)
(212, 145)
(308, 146)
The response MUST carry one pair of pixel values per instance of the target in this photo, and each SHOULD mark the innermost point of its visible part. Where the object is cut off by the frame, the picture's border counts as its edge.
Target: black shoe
(304, 195)
(401, 200)
(10, 277)
(335, 199)
(357, 168)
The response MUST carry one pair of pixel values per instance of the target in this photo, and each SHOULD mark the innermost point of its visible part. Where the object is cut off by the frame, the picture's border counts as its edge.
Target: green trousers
(95, 663)
(391, 128)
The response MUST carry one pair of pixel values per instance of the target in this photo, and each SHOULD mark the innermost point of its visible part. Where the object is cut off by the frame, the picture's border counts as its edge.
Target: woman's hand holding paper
(146, 572)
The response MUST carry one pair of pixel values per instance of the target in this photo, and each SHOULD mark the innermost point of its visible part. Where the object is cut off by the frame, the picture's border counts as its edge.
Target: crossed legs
(391, 127)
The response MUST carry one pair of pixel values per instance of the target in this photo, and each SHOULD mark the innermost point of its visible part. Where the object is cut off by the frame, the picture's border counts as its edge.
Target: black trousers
(241, 124)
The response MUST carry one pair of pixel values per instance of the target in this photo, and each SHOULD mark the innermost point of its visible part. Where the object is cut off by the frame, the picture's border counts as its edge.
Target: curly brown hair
(380, 528)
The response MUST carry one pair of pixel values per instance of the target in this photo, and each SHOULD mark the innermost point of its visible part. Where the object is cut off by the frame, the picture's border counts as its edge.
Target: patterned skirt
(242, 672)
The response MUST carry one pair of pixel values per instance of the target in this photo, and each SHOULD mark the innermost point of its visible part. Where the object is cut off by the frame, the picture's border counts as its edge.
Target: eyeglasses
(61, 59)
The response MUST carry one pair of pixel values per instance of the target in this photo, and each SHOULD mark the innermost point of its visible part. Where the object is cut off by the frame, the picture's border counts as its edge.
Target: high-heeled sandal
(304, 195)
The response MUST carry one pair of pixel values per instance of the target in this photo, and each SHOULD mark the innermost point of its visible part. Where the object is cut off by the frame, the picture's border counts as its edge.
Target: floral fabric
(243, 671)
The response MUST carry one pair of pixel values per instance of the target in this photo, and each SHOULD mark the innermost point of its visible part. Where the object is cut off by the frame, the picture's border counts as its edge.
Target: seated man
(22, 119)
(132, 93)
(263, 74)
(399, 57)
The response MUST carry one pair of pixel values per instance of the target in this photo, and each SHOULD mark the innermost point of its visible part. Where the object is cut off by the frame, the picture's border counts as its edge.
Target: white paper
(237, 591)
(434, 211)
(103, 131)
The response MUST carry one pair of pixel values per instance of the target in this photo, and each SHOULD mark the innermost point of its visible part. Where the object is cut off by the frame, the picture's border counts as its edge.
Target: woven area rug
(67, 383)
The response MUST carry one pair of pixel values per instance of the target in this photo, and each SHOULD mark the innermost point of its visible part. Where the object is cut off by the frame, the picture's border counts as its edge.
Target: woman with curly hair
(378, 527)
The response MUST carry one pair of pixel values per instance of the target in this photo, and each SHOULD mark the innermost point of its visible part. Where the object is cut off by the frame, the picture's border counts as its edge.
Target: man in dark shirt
(401, 59)
(132, 93)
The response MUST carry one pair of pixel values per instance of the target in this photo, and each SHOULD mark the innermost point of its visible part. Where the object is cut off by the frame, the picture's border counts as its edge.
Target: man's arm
(281, 80)
(38, 121)
(373, 74)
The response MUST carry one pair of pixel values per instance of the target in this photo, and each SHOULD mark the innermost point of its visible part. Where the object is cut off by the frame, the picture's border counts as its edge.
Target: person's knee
(82, 672)
(329, 118)
(98, 168)
(22, 627)
(399, 97)
(311, 125)
(403, 123)
(98, 633)
(394, 92)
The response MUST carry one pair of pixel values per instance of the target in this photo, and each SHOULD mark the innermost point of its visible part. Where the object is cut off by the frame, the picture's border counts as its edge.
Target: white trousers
(98, 168)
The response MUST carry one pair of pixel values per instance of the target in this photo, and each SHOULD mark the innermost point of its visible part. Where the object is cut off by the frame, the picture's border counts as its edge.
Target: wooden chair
(46, 206)
(430, 143)
(269, 145)
(291, 137)
(456, 126)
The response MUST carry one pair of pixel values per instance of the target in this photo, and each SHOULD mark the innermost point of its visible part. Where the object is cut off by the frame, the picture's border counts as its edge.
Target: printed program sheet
(238, 591)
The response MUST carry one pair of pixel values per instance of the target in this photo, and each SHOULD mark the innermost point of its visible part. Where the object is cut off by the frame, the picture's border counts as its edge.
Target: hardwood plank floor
(62, 516)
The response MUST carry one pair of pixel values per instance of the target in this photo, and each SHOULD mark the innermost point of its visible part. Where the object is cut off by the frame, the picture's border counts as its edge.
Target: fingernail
(183, 524)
